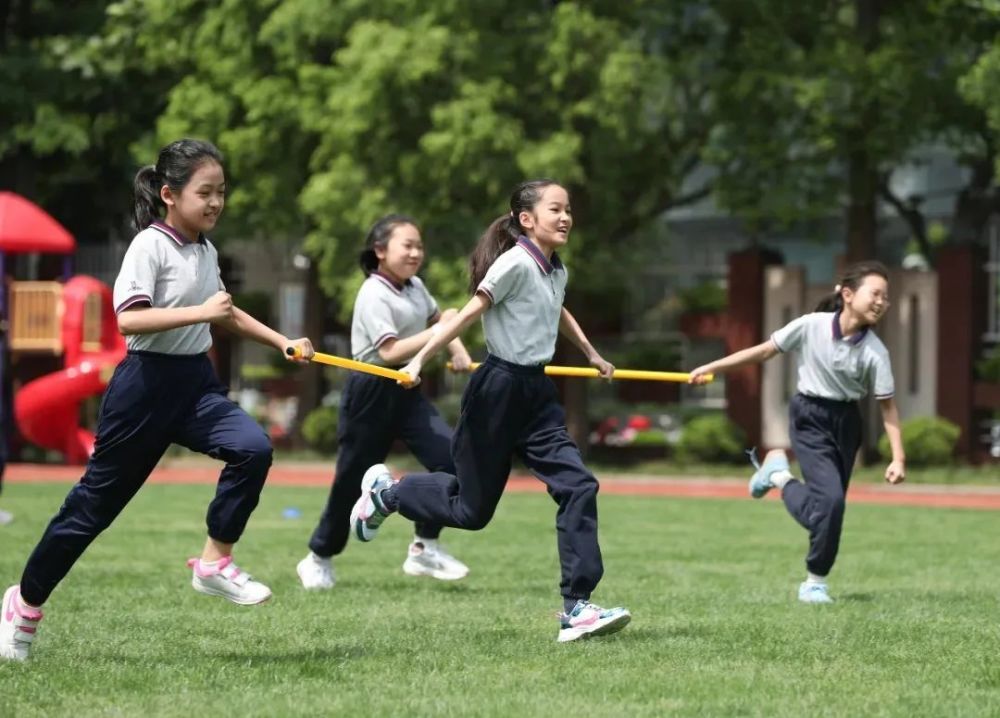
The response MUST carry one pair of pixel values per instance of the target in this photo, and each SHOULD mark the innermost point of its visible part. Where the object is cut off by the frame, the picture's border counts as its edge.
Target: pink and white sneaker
(228, 580)
(18, 625)
(588, 619)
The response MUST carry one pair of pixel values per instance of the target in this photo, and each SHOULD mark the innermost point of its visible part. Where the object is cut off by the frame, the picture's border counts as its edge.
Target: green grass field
(715, 632)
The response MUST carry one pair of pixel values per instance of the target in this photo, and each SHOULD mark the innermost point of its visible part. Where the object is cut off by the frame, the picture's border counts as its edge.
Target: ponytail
(504, 232)
(174, 167)
(500, 236)
(832, 302)
(147, 201)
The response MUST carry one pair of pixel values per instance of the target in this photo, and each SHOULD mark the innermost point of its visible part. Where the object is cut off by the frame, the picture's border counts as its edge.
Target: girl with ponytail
(840, 361)
(168, 294)
(510, 407)
(394, 316)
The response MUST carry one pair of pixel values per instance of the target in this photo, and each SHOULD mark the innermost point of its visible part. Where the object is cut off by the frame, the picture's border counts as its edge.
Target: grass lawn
(716, 630)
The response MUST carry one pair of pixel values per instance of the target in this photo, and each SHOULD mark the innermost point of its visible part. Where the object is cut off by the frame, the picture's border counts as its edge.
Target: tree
(71, 108)
(827, 99)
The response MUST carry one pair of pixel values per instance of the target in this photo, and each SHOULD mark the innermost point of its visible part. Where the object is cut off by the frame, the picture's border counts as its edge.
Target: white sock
(813, 578)
(780, 478)
(318, 559)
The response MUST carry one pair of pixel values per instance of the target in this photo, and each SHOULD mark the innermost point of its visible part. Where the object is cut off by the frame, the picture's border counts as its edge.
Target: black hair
(852, 278)
(174, 167)
(378, 237)
(503, 232)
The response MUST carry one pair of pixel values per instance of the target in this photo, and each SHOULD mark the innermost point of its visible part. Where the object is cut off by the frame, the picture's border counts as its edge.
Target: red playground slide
(48, 409)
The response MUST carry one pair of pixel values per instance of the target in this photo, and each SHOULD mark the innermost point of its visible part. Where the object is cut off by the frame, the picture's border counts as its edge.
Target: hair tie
(837, 288)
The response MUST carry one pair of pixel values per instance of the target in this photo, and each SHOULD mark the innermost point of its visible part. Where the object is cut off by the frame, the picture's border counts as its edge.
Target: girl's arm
(148, 320)
(246, 326)
(896, 471)
(450, 330)
(754, 355)
(397, 351)
(570, 328)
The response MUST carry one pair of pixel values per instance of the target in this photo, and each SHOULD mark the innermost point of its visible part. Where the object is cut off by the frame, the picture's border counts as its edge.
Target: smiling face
(870, 301)
(403, 254)
(196, 208)
(550, 220)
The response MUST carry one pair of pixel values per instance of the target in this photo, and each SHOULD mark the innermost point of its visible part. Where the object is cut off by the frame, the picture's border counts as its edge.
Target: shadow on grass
(856, 598)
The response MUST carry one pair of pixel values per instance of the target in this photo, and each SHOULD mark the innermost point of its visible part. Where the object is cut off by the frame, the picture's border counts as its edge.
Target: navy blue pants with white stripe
(153, 400)
(509, 409)
(374, 412)
(825, 436)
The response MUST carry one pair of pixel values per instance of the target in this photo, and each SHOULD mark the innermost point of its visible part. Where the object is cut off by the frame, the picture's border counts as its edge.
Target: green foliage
(712, 439)
(704, 297)
(988, 369)
(320, 428)
(927, 440)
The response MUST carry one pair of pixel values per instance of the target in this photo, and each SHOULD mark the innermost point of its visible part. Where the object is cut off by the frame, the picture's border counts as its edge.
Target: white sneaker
(814, 593)
(5, 517)
(226, 579)
(316, 572)
(587, 620)
(17, 626)
(426, 557)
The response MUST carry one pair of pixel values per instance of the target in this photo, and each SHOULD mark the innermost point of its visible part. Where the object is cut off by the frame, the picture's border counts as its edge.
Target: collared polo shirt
(526, 293)
(163, 269)
(831, 366)
(386, 310)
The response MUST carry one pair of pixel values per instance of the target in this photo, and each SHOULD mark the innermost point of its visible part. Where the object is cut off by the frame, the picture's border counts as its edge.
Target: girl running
(394, 316)
(510, 406)
(165, 391)
(840, 360)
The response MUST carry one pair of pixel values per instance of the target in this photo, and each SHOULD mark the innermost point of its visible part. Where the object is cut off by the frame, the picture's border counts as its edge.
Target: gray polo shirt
(162, 269)
(832, 366)
(385, 310)
(526, 292)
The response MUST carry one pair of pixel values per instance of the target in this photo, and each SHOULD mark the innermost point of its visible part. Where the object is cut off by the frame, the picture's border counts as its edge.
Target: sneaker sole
(229, 597)
(357, 525)
(612, 626)
(420, 571)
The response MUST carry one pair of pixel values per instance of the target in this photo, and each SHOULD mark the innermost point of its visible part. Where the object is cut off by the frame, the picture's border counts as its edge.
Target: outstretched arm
(896, 471)
(754, 355)
(241, 323)
(570, 328)
(450, 330)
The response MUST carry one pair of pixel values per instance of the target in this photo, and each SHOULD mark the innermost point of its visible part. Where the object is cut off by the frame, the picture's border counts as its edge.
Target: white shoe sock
(813, 578)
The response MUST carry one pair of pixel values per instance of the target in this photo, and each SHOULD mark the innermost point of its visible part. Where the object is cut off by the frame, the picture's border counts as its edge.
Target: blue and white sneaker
(369, 512)
(587, 619)
(814, 593)
(761, 482)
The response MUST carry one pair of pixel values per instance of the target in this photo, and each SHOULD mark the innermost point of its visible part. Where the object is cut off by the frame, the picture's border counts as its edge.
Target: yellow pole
(635, 374)
(331, 360)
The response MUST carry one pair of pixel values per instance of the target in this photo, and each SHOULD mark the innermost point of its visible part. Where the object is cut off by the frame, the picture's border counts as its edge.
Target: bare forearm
(451, 329)
(398, 351)
(752, 355)
(248, 327)
(570, 328)
(890, 420)
(149, 320)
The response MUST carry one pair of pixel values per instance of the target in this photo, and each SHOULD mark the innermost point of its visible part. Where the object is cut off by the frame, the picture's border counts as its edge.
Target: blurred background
(725, 158)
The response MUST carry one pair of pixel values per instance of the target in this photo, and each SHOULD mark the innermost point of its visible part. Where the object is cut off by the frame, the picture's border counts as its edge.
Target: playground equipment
(73, 319)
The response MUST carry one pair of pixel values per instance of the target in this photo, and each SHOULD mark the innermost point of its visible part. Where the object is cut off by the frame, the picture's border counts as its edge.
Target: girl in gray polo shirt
(511, 407)
(394, 316)
(164, 391)
(840, 360)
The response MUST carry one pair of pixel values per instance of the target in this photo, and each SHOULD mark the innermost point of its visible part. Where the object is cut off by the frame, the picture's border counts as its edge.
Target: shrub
(320, 428)
(712, 439)
(928, 441)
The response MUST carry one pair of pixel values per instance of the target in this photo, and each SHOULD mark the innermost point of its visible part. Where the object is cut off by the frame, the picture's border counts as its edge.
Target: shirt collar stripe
(544, 264)
(174, 234)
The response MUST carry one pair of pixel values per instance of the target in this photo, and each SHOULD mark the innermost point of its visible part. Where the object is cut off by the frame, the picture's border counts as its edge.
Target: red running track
(960, 497)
